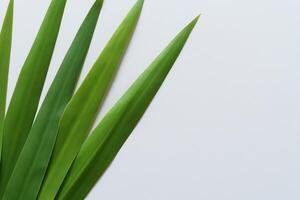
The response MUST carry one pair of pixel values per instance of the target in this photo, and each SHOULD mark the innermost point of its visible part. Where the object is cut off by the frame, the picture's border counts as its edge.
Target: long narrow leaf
(33, 161)
(25, 99)
(106, 140)
(83, 107)
(5, 48)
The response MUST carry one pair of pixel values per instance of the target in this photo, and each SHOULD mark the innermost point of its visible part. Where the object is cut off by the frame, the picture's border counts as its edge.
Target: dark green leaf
(83, 107)
(25, 99)
(31, 166)
(5, 48)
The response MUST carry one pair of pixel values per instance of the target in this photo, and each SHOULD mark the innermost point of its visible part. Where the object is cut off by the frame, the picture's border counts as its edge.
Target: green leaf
(82, 110)
(31, 166)
(25, 99)
(101, 147)
(5, 48)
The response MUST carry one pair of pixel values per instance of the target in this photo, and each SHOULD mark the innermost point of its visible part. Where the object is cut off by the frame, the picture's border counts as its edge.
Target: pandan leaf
(101, 147)
(83, 107)
(31, 166)
(25, 99)
(5, 48)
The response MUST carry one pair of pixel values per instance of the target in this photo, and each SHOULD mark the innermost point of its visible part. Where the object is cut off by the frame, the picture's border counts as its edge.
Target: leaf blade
(5, 50)
(103, 144)
(83, 107)
(33, 161)
(25, 99)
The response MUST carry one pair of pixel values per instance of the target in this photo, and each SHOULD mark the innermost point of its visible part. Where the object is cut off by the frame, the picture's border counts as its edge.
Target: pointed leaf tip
(194, 22)
(188, 29)
(138, 5)
(140, 2)
(197, 17)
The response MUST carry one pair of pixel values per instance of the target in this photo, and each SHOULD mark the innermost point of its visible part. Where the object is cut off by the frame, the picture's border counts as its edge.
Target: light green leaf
(101, 147)
(25, 99)
(5, 48)
(31, 166)
(83, 107)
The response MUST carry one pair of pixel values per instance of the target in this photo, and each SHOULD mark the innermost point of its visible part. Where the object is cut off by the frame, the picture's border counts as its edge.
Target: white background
(225, 125)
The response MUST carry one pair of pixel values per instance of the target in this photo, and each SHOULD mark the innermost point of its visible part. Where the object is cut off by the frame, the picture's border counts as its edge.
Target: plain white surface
(225, 125)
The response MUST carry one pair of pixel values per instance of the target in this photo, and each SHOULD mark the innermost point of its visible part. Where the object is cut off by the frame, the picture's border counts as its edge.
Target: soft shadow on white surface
(225, 125)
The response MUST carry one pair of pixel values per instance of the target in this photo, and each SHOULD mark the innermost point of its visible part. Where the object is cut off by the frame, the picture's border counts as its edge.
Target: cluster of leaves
(52, 153)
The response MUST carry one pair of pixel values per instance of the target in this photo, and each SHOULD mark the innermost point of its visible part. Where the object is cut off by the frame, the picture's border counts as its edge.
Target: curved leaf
(31, 166)
(102, 146)
(5, 48)
(83, 107)
(25, 99)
